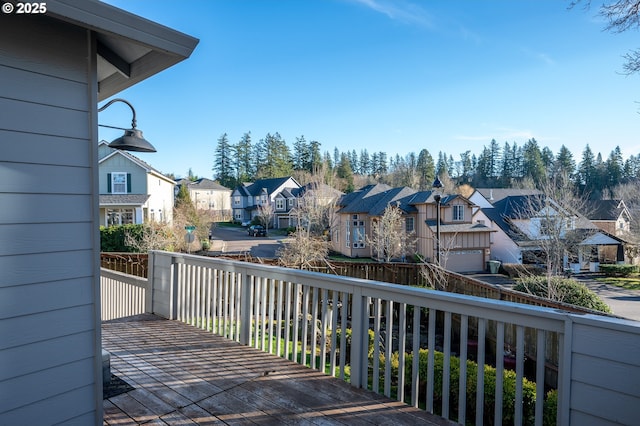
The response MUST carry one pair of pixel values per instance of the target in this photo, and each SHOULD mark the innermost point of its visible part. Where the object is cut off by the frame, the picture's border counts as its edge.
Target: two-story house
(464, 245)
(208, 195)
(526, 222)
(132, 191)
(247, 198)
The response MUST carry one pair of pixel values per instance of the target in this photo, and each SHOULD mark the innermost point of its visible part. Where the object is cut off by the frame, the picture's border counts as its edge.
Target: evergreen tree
(223, 167)
(467, 168)
(532, 164)
(315, 158)
(344, 171)
(426, 170)
(364, 162)
(301, 154)
(278, 161)
(586, 171)
(564, 166)
(494, 160)
(614, 168)
(243, 160)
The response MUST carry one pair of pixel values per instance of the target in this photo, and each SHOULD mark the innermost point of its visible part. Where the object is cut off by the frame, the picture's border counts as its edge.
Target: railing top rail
(511, 312)
(126, 278)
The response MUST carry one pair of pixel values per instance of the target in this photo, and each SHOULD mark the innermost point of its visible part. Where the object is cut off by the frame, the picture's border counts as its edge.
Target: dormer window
(279, 204)
(458, 213)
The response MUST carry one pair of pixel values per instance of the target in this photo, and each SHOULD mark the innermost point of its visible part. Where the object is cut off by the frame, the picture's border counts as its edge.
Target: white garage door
(463, 260)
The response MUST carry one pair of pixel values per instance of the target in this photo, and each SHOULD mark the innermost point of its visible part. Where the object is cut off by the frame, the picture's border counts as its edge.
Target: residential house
(132, 191)
(613, 217)
(522, 219)
(464, 245)
(247, 198)
(208, 195)
(321, 194)
(56, 68)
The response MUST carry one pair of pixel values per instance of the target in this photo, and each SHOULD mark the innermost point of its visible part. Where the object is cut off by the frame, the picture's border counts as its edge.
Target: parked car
(257, 231)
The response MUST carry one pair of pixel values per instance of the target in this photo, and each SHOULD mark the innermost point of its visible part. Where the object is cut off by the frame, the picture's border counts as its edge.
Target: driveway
(236, 240)
(623, 303)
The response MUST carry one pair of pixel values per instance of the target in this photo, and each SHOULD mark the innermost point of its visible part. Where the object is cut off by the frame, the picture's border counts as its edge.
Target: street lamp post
(437, 186)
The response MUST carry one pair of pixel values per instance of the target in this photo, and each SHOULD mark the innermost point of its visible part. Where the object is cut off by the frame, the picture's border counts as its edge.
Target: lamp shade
(132, 140)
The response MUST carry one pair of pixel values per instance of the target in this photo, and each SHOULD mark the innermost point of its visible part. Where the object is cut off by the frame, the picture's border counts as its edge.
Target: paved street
(624, 303)
(232, 240)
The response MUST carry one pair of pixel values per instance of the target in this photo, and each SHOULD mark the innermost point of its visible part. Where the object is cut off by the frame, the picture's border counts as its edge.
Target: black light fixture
(132, 140)
(437, 186)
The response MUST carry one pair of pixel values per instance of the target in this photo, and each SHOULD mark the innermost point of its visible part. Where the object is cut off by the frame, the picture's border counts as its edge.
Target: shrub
(112, 237)
(518, 270)
(566, 290)
(509, 390)
(618, 270)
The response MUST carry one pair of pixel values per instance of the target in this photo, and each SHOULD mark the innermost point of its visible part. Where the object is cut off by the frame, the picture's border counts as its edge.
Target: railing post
(149, 293)
(245, 309)
(359, 339)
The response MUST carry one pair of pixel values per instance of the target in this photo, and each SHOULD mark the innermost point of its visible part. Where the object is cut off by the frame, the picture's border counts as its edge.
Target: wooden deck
(182, 376)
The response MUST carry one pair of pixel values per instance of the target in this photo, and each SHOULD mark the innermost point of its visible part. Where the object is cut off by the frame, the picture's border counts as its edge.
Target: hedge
(509, 390)
(619, 270)
(112, 237)
(565, 290)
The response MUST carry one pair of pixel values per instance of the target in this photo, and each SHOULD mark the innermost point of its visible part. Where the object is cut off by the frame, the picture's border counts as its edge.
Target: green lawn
(629, 283)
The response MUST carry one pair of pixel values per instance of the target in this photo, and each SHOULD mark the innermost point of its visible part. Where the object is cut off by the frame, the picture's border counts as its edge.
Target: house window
(119, 216)
(236, 200)
(291, 203)
(279, 204)
(458, 213)
(118, 183)
(356, 231)
(408, 224)
(348, 235)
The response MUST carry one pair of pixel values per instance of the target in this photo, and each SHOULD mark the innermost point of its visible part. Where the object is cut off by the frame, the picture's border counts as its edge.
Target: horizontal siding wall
(605, 387)
(47, 230)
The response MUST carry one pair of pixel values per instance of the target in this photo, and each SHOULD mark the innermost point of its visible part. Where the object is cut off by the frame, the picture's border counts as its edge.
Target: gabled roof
(321, 189)
(142, 164)
(374, 199)
(204, 183)
(130, 48)
(493, 195)
(269, 185)
(605, 209)
(458, 227)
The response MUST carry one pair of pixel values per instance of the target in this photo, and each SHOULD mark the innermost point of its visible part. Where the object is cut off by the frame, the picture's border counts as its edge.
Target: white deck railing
(362, 331)
(122, 295)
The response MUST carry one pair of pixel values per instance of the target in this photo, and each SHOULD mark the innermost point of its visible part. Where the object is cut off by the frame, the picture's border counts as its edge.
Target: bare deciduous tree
(309, 244)
(389, 238)
(266, 214)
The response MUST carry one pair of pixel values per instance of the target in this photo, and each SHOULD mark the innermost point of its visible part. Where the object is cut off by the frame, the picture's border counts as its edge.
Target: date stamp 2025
(31, 8)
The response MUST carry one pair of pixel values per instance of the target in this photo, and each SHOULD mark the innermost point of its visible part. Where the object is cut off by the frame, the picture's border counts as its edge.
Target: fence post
(245, 308)
(359, 339)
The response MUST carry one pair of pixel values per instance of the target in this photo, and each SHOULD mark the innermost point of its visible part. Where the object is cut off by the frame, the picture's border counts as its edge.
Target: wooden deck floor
(183, 376)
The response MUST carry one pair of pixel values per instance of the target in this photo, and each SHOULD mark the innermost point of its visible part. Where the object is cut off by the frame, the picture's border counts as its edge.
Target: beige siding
(49, 341)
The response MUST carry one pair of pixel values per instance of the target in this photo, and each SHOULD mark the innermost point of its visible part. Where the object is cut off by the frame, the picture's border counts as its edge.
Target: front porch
(185, 375)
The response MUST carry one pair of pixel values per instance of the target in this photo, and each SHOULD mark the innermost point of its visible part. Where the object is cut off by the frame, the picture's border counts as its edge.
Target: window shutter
(128, 183)
(109, 183)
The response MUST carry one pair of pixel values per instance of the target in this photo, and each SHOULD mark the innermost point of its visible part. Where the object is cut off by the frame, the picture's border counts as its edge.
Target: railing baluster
(278, 327)
(402, 336)
(326, 318)
(540, 364)
(415, 367)
(480, 378)
(314, 327)
(388, 348)
(431, 337)
(296, 321)
(519, 373)
(499, 372)
(377, 337)
(305, 324)
(343, 335)
(289, 321)
(446, 365)
(462, 388)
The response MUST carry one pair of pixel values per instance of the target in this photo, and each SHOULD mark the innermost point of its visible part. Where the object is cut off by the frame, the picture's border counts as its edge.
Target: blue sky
(384, 75)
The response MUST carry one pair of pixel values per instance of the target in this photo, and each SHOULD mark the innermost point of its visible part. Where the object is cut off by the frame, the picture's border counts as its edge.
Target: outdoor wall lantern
(437, 186)
(132, 140)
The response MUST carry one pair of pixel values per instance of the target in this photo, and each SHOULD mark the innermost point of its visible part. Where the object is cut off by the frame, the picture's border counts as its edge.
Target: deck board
(184, 376)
